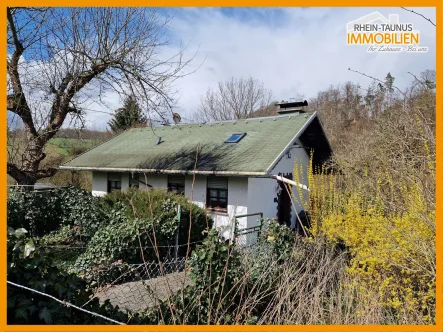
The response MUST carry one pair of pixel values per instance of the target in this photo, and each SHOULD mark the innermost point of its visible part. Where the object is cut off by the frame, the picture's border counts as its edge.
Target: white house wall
(263, 191)
(99, 183)
(125, 180)
(237, 205)
(237, 200)
(237, 194)
(158, 181)
(198, 193)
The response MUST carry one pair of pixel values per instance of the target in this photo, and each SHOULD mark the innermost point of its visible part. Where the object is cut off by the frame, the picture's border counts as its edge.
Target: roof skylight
(235, 137)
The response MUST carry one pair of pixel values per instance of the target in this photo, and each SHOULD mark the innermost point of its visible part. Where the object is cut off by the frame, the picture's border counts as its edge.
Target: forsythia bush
(388, 227)
(392, 254)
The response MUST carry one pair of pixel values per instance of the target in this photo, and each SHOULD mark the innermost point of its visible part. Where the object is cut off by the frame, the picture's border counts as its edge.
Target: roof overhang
(165, 171)
(315, 142)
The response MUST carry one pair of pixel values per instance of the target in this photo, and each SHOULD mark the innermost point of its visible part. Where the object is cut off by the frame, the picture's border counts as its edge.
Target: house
(227, 167)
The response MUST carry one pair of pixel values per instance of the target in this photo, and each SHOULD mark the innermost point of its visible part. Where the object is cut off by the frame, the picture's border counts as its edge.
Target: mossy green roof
(255, 154)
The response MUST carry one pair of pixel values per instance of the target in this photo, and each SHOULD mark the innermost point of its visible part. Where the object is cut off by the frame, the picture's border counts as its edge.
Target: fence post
(177, 233)
(233, 231)
(260, 224)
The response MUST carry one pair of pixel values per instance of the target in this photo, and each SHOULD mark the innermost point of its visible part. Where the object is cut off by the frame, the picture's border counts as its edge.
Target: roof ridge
(271, 117)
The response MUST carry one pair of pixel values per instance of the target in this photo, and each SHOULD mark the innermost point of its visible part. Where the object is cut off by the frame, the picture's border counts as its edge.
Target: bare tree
(63, 62)
(235, 98)
(338, 106)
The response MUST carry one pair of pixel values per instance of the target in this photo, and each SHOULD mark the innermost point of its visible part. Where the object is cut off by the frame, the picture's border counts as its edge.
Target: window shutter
(218, 182)
(114, 176)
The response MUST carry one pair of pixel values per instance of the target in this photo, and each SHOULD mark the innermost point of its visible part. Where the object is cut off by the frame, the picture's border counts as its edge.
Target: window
(133, 181)
(234, 138)
(176, 183)
(217, 193)
(114, 182)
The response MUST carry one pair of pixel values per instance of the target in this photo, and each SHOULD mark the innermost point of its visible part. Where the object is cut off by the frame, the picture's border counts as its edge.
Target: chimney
(292, 107)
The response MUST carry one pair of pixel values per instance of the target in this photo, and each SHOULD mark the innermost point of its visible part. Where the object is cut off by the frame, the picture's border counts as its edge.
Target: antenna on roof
(159, 140)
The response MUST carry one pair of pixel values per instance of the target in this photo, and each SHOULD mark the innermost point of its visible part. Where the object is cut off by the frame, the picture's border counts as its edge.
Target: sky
(292, 51)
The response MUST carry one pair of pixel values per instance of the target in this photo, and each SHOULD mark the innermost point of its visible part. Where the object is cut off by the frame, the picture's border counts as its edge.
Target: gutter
(165, 171)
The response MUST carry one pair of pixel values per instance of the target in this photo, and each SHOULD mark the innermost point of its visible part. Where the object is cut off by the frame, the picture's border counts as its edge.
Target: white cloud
(292, 50)
(304, 54)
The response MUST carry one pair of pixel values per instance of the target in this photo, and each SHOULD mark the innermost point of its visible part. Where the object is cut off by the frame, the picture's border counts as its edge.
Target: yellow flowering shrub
(388, 227)
(391, 254)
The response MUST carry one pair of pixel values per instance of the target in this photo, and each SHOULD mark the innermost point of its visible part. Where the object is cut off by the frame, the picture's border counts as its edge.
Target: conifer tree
(128, 116)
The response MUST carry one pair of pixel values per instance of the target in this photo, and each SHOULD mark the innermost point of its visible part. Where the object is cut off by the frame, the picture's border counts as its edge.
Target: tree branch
(423, 84)
(376, 79)
(427, 19)
(17, 102)
(45, 173)
(68, 88)
(16, 173)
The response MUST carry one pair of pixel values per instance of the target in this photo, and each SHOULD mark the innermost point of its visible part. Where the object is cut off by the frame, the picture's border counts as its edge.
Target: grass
(64, 146)
(58, 151)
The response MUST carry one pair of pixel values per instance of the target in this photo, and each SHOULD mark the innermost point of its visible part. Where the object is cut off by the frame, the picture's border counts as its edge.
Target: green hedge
(152, 215)
(41, 212)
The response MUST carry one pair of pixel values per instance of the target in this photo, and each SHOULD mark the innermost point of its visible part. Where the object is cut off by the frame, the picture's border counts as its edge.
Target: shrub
(152, 216)
(27, 266)
(63, 178)
(382, 208)
(161, 206)
(278, 238)
(64, 236)
(82, 209)
(76, 149)
(38, 211)
(64, 245)
(216, 271)
(45, 211)
(393, 252)
(231, 286)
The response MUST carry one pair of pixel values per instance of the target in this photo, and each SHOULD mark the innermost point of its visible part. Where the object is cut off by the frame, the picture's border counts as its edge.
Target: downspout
(291, 182)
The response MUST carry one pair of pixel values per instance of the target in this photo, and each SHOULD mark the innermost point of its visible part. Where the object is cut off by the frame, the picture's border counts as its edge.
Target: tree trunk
(22, 177)
(28, 173)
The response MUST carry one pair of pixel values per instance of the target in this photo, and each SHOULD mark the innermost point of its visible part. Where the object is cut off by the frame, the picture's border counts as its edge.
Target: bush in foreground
(145, 219)
(42, 212)
(27, 266)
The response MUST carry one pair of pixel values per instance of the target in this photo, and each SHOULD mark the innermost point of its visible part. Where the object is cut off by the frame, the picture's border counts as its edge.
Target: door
(284, 206)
